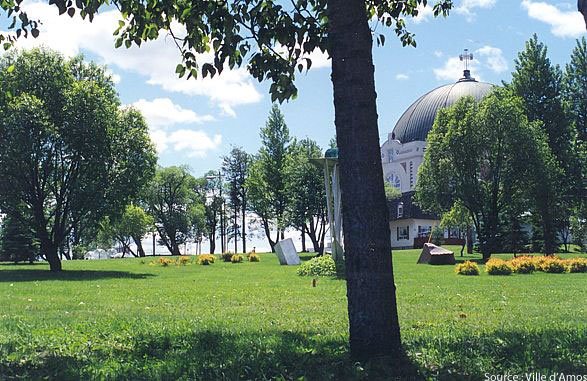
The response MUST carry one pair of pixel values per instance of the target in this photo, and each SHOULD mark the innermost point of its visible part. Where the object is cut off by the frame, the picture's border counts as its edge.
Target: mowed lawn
(128, 319)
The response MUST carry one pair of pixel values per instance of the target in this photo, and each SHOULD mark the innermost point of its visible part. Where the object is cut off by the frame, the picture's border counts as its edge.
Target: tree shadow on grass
(223, 355)
(214, 355)
(472, 357)
(43, 274)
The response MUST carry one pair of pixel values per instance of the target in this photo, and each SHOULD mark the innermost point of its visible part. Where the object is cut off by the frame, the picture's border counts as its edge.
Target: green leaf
(10, 69)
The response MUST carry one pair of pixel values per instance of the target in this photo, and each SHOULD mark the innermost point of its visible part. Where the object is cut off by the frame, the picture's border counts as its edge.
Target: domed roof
(417, 120)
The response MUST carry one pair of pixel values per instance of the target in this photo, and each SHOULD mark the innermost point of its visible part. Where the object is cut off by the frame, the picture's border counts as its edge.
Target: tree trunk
(469, 240)
(139, 244)
(268, 234)
(243, 231)
(303, 236)
(50, 251)
(373, 321)
(212, 239)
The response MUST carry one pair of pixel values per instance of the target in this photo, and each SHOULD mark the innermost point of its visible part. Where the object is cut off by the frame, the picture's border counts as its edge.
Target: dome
(417, 120)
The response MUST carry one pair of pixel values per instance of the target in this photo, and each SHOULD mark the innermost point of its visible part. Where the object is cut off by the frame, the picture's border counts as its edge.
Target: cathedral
(403, 152)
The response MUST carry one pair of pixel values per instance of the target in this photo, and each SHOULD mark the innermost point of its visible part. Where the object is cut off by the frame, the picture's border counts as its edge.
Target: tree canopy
(486, 157)
(64, 145)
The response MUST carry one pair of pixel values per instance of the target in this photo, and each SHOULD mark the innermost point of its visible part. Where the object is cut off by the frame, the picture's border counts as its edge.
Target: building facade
(403, 152)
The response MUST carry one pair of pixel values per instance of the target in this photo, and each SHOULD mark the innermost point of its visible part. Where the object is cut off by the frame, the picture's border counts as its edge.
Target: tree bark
(373, 319)
(50, 251)
(139, 244)
(268, 234)
(243, 231)
(303, 236)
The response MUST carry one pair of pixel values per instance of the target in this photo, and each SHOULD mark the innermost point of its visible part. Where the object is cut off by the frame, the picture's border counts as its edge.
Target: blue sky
(196, 122)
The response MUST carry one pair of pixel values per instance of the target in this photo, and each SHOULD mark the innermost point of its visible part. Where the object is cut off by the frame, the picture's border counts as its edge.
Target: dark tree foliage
(17, 241)
(540, 84)
(273, 39)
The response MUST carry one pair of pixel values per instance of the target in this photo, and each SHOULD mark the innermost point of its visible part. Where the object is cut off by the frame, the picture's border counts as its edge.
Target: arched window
(400, 210)
(394, 180)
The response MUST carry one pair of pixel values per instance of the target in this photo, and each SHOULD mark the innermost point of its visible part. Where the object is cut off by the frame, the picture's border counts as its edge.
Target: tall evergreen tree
(17, 241)
(235, 167)
(267, 183)
(539, 83)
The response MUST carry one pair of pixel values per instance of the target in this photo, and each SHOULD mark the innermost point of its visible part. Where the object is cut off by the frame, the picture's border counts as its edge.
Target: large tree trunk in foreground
(373, 320)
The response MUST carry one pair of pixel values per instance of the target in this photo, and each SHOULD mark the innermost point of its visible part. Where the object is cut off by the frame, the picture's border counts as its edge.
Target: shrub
(183, 260)
(467, 268)
(577, 265)
(206, 259)
(253, 257)
(166, 261)
(496, 266)
(553, 265)
(226, 257)
(236, 258)
(523, 265)
(318, 266)
(539, 262)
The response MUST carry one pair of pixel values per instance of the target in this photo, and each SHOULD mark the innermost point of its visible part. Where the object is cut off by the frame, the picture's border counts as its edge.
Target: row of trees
(77, 170)
(277, 188)
(519, 154)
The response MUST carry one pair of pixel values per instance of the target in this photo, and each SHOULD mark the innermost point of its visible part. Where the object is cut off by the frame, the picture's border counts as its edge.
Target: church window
(400, 210)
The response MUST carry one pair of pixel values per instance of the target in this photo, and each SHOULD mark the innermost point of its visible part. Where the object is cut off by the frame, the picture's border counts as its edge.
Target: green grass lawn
(127, 319)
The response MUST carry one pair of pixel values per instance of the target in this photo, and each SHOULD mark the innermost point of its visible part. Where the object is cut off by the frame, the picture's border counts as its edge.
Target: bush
(226, 257)
(254, 257)
(437, 234)
(496, 266)
(523, 265)
(236, 258)
(318, 266)
(166, 261)
(577, 265)
(467, 268)
(183, 260)
(206, 259)
(553, 265)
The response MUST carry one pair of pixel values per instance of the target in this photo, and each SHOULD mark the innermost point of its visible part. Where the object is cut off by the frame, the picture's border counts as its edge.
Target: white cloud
(424, 14)
(438, 53)
(155, 60)
(194, 143)
(162, 112)
(467, 7)
(453, 69)
(402, 77)
(563, 23)
(492, 58)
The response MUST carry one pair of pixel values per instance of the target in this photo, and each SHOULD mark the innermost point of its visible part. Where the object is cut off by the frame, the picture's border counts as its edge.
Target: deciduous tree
(67, 152)
(485, 156)
(171, 200)
(273, 39)
(307, 197)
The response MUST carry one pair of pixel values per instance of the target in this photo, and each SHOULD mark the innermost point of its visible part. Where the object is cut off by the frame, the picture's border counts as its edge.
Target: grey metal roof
(417, 120)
